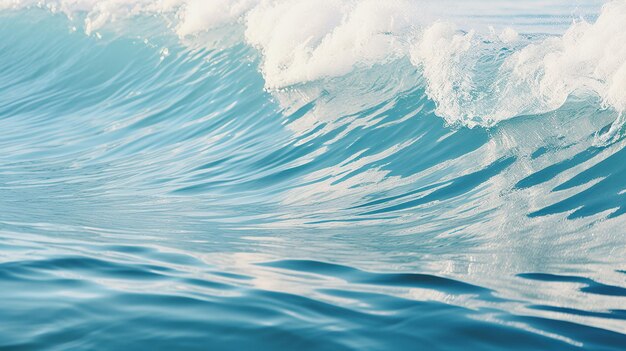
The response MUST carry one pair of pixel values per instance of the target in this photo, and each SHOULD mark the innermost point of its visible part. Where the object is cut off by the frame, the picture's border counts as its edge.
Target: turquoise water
(170, 188)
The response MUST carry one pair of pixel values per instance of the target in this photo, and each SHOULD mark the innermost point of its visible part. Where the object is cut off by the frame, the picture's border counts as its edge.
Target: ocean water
(312, 175)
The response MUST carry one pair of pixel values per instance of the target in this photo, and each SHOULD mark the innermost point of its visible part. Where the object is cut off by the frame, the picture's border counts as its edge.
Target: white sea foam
(509, 35)
(474, 77)
(195, 16)
(589, 59)
(304, 40)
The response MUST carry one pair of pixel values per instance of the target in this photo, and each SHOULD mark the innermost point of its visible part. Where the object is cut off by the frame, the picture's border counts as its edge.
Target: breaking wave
(328, 174)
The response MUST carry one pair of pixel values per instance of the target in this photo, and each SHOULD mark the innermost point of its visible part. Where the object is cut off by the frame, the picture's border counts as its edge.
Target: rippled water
(175, 179)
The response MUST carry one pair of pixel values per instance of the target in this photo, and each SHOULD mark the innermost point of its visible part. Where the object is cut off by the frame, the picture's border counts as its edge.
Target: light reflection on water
(174, 203)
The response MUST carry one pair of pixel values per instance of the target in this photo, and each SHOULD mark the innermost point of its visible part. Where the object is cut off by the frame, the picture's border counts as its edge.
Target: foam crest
(588, 60)
(307, 40)
(441, 53)
(475, 77)
(190, 16)
(196, 16)
(97, 13)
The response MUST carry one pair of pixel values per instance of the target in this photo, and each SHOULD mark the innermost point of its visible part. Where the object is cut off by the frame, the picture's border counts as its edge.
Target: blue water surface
(171, 202)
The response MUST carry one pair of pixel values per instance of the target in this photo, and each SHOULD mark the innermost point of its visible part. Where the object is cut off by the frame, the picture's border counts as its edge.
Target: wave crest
(476, 78)
(588, 60)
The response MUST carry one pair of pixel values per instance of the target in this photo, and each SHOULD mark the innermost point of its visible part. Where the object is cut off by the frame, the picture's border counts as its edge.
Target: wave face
(295, 174)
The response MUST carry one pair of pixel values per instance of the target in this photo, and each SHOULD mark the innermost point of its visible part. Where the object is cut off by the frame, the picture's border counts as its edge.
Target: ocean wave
(312, 174)
(475, 78)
